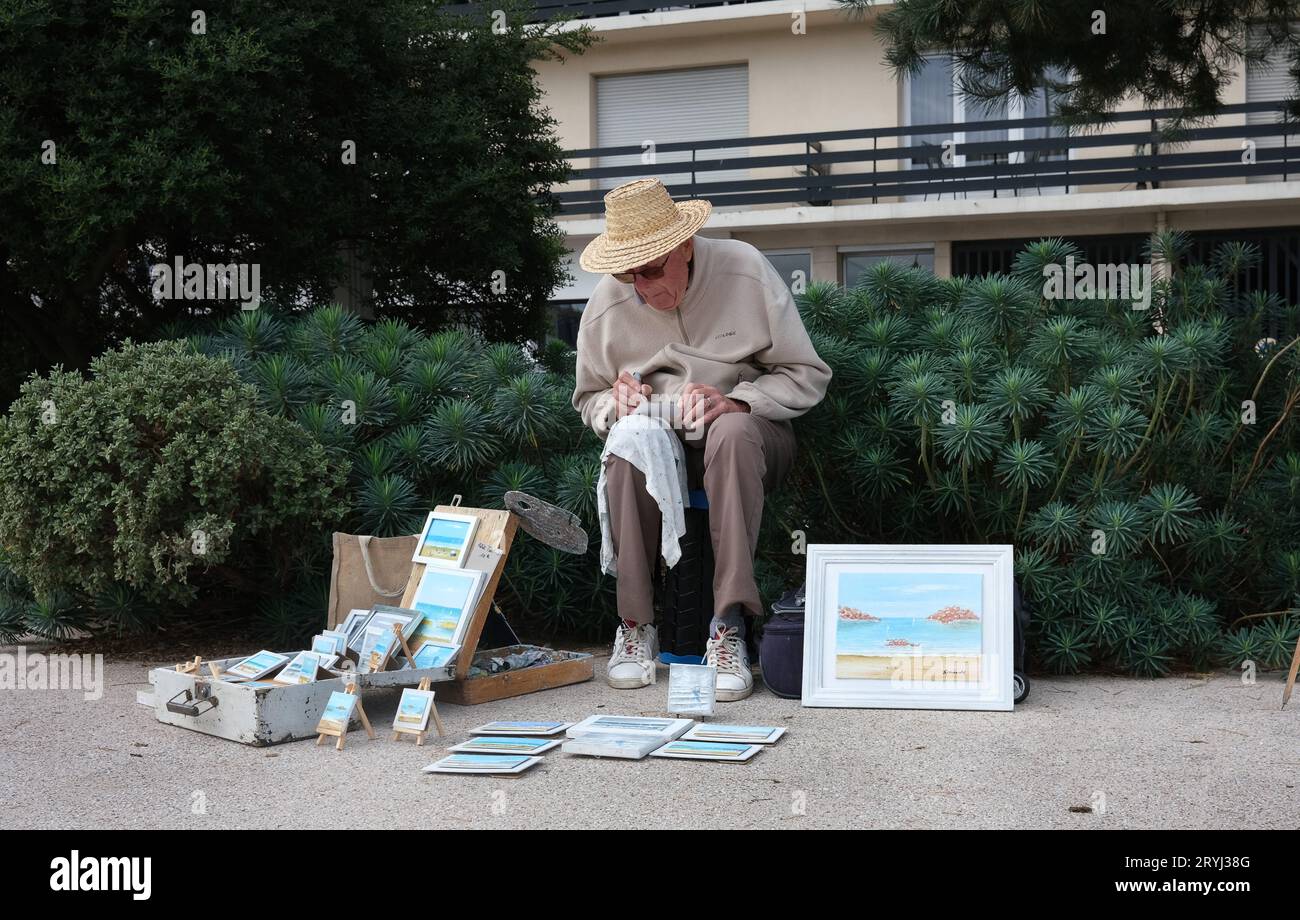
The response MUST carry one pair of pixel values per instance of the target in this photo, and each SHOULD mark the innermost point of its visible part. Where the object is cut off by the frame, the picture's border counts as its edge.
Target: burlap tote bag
(368, 571)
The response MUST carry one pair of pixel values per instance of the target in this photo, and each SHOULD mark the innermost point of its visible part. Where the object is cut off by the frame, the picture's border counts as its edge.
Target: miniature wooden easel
(421, 733)
(342, 733)
(190, 667)
(1290, 678)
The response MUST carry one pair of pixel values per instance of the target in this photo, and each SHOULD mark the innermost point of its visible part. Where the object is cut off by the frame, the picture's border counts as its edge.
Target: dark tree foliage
(1174, 53)
(222, 141)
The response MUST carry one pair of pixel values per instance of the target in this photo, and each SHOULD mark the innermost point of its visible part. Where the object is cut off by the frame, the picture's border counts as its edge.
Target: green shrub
(156, 478)
(1114, 447)
(1156, 523)
(422, 418)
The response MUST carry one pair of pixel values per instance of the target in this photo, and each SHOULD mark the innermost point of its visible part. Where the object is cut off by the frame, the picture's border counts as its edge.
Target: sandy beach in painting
(959, 668)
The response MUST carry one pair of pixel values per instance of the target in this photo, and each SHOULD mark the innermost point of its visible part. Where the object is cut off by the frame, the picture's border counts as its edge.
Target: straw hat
(642, 223)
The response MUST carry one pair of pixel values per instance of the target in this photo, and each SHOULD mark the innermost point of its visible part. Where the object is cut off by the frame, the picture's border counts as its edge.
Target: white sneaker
(632, 665)
(726, 651)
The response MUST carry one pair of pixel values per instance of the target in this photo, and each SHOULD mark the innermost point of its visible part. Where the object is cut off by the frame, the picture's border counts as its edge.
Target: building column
(825, 264)
(943, 258)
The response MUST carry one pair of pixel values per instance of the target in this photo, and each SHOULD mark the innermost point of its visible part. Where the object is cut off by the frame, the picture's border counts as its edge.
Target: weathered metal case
(262, 716)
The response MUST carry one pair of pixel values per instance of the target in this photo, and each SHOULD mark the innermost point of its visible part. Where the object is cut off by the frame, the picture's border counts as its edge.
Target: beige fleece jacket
(736, 329)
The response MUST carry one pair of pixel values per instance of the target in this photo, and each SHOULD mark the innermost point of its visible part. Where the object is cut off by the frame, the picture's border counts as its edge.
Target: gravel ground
(1183, 752)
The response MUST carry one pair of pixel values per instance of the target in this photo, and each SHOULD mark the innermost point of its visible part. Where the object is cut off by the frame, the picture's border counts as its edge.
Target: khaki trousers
(743, 458)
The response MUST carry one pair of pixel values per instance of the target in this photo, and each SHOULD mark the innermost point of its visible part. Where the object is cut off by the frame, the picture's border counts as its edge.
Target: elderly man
(709, 326)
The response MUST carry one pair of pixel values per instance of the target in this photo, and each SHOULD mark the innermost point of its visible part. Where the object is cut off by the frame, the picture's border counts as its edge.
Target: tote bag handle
(364, 542)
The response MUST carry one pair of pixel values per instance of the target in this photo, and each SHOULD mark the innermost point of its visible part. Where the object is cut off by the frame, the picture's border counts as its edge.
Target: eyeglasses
(649, 272)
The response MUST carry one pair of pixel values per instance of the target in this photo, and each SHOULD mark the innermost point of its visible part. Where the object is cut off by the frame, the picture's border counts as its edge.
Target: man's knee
(735, 430)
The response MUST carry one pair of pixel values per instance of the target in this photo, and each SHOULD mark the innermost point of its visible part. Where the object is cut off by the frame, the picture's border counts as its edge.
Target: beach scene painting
(445, 539)
(890, 625)
(445, 598)
(413, 710)
(434, 656)
(338, 712)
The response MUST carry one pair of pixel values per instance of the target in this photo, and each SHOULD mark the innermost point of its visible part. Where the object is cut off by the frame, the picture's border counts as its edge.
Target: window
(565, 317)
(855, 263)
(1268, 80)
(672, 106)
(792, 265)
(932, 97)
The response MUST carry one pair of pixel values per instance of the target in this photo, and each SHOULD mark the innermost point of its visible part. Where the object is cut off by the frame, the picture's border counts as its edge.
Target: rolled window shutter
(670, 106)
(1267, 81)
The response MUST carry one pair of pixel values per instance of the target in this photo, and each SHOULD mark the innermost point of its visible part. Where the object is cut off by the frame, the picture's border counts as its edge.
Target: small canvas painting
(922, 622)
(433, 656)
(338, 712)
(446, 538)
(413, 710)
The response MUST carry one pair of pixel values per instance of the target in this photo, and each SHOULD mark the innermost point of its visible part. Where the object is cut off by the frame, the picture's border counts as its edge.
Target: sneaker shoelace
(630, 645)
(719, 652)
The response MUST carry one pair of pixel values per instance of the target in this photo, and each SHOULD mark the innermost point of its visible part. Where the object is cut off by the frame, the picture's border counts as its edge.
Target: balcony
(1028, 157)
(594, 9)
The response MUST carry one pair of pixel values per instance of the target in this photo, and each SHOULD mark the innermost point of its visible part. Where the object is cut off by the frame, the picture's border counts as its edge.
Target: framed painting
(445, 539)
(909, 627)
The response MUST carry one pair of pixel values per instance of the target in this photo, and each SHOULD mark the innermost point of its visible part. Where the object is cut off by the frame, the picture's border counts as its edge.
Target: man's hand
(701, 404)
(628, 393)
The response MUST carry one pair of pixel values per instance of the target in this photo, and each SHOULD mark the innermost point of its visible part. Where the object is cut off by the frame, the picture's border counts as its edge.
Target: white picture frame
(665, 729)
(257, 666)
(383, 616)
(329, 642)
(529, 746)
(482, 763)
(445, 599)
(445, 539)
(869, 643)
(354, 627)
(720, 751)
(738, 734)
(301, 670)
(520, 728)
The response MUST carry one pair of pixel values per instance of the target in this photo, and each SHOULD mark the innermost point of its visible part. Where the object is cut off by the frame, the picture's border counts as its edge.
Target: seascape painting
(413, 709)
(338, 711)
(891, 625)
(444, 598)
(444, 540)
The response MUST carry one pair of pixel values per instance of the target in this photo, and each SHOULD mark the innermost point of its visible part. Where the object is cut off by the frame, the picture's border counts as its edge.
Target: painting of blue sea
(506, 744)
(482, 763)
(433, 656)
(444, 597)
(445, 540)
(337, 712)
(521, 728)
(934, 618)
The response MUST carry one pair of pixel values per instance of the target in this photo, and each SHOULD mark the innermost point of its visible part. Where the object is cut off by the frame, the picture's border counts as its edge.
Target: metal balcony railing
(591, 9)
(1144, 157)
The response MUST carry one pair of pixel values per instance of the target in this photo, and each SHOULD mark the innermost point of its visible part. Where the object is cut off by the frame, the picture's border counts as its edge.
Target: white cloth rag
(649, 444)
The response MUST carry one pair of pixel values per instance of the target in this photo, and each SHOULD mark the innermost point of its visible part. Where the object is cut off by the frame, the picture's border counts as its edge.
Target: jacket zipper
(681, 324)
